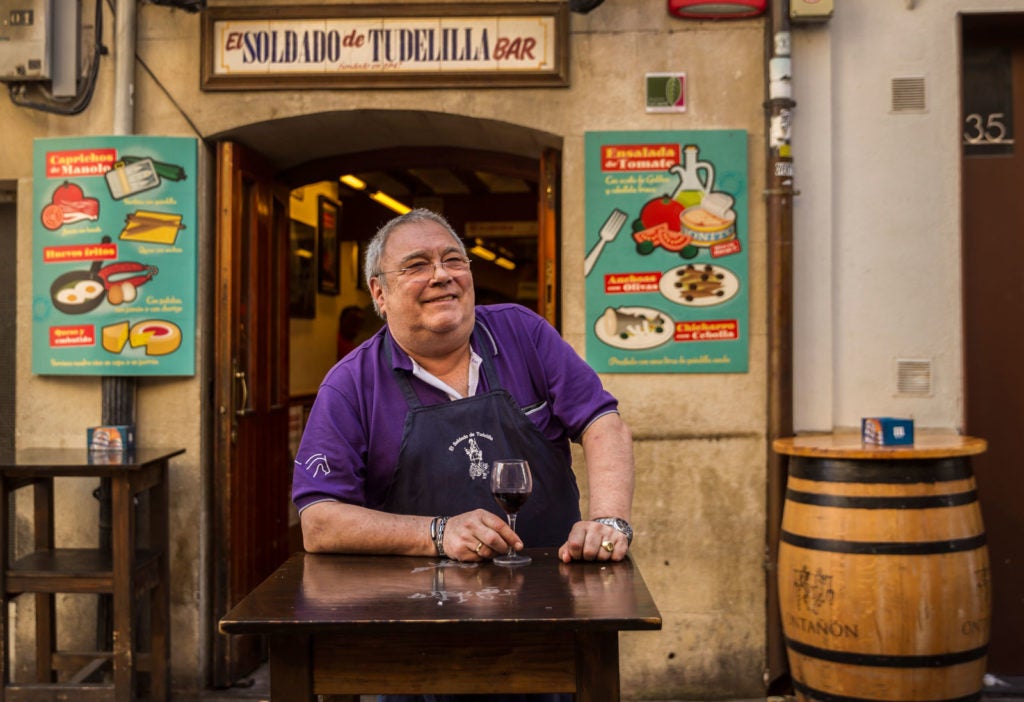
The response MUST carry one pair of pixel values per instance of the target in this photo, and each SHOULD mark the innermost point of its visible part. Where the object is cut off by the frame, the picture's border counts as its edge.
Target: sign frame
(379, 76)
(667, 266)
(115, 252)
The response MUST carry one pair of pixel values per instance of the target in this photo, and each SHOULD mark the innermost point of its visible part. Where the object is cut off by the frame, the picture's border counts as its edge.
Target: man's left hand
(592, 541)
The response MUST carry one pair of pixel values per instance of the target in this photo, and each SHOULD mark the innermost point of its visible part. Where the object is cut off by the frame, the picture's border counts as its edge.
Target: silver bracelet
(439, 537)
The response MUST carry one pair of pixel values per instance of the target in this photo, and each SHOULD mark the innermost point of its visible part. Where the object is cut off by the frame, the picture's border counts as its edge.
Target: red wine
(511, 501)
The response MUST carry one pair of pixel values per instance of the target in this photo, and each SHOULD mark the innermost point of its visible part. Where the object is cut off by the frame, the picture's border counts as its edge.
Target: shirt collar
(432, 380)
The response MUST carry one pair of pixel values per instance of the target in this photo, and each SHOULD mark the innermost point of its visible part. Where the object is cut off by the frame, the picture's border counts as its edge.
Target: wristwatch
(618, 524)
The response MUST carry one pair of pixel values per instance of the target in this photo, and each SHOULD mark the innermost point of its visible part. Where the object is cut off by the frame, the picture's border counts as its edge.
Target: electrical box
(810, 10)
(26, 39)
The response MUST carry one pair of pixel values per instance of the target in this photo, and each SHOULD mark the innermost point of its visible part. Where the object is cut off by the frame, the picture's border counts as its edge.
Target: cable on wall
(45, 102)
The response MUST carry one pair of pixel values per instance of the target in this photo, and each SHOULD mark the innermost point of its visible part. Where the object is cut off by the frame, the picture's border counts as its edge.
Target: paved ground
(257, 687)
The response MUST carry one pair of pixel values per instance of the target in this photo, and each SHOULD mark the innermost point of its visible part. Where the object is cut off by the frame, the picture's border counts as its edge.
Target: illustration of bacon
(77, 210)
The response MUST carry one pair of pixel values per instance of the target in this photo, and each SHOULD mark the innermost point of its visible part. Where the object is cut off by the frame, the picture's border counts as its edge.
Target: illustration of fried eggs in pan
(79, 293)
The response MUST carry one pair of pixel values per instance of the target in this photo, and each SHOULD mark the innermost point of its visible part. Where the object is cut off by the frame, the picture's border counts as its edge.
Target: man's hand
(591, 541)
(478, 536)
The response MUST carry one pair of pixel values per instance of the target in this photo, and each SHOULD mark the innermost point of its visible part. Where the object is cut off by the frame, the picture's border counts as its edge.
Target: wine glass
(511, 484)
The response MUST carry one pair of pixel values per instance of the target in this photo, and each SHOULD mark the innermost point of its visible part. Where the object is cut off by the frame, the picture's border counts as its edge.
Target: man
(385, 461)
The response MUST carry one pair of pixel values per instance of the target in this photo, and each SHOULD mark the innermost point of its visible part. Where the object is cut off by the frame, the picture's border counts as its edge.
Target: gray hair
(375, 249)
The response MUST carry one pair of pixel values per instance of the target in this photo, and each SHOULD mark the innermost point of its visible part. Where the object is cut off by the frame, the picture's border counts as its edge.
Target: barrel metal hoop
(877, 660)
(897, 471)
(885, 548)
(860, 502)
(821, 696)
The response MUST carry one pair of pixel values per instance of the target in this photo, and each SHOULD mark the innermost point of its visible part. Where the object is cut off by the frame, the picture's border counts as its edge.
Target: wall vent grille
(914, 376)
(908, 94)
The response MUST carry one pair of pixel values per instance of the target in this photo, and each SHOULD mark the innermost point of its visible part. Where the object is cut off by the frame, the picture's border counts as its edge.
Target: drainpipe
(779, 195)
(124, 68)
(118, 393)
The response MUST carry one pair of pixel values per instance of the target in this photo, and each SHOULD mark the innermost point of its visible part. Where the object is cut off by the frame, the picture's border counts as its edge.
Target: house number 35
(985, 129)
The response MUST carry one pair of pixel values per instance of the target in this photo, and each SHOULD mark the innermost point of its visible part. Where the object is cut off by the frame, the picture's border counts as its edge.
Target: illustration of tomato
(662, 210)
(67, 192)
(52, 216)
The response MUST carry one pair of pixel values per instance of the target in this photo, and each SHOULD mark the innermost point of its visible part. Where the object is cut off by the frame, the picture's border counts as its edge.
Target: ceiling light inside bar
(353, 182)
(482, 251)
(505, 263)
(390, 202)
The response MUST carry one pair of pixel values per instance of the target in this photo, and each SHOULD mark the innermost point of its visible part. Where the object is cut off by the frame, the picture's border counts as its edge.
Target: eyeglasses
(423, 270)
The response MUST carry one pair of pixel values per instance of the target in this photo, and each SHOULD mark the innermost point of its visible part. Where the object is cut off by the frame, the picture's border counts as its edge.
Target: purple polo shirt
(351, 442)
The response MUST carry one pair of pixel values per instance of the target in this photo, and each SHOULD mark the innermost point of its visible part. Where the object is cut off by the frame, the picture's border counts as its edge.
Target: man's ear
(377, 293)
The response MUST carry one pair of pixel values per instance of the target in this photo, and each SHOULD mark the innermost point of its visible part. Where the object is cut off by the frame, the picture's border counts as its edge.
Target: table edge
(849, 445)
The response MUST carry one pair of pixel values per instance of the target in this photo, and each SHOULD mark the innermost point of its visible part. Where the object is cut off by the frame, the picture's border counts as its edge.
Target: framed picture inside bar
(394, 45)
(328, 250)
(303, 264)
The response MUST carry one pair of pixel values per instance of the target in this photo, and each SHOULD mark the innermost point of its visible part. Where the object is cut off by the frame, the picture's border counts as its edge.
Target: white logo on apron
(478, 467)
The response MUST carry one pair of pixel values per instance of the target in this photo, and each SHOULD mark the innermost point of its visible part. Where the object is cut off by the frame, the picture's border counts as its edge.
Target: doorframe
(328, 168)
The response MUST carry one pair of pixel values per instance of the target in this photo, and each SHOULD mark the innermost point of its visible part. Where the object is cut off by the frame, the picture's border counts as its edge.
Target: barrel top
(927, 444)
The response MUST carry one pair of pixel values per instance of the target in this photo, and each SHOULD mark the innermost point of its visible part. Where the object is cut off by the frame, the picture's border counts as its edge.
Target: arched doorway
(495, 182)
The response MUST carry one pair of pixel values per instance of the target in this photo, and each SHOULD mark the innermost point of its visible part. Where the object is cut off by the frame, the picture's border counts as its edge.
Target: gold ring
(479, 545)
(608, 546)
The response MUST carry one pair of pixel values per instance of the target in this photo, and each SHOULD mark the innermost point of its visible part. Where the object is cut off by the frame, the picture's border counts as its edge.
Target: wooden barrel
(884, 585)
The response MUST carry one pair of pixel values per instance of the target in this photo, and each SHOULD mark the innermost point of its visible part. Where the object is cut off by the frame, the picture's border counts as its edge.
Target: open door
(547, 236)
(252, 468)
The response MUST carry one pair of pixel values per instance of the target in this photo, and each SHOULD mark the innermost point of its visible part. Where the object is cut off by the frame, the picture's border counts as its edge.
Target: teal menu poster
(114, 256)
(666, 252)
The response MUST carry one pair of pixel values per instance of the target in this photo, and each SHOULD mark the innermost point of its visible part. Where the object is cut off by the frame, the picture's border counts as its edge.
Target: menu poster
(114, 256)
(666, 252)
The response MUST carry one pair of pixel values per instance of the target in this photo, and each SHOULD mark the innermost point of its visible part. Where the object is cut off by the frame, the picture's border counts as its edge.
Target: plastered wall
(877, 225)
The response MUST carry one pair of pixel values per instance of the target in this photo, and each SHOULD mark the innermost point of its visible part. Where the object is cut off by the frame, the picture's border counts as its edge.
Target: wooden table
(132, 571)
(351, 625)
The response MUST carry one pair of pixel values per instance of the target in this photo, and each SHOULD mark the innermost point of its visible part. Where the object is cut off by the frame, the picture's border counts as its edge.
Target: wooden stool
(132, 574)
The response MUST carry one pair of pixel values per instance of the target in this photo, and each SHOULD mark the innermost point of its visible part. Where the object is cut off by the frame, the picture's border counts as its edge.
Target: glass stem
(512, 523)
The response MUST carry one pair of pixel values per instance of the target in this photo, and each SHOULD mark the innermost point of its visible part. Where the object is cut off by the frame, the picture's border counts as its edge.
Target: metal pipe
(124, 67)
(117, 393)
(779, 195)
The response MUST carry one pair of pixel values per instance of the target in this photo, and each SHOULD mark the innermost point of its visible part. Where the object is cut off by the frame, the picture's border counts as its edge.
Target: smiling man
(396, 455)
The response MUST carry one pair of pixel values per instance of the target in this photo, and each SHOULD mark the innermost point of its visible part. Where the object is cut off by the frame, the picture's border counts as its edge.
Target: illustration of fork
(609, 230)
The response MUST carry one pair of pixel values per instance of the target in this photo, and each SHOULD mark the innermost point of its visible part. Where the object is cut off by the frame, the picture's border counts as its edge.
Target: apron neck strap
(402, 375)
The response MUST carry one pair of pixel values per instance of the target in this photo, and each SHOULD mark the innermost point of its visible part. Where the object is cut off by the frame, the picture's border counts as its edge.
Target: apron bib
(444, 464)
(444, 468)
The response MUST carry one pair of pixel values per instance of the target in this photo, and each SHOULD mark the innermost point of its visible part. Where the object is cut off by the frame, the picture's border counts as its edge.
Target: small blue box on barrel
(887, 431)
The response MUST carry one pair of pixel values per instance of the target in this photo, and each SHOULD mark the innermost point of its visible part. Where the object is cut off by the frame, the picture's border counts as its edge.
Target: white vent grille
(908, 94)
(914, 376)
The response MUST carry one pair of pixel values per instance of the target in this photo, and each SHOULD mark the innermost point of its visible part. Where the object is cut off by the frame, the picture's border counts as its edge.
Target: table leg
(291, 673)
(45, 603)
(597, 667)
(123, 553)
(160, 594)
(6, 509)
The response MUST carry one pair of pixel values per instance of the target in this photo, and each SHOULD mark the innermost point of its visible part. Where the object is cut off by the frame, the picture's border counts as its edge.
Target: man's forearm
(608, 450)
(336, 527)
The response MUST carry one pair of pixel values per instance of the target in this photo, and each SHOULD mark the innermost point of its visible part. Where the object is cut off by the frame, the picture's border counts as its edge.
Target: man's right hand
(478, 536)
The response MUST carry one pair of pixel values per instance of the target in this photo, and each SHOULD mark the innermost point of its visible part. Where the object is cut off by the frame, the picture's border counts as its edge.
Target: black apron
(444, 468)
(444, 464)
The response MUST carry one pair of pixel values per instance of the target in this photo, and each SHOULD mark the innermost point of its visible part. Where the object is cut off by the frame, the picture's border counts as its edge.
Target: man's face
(426, 312)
